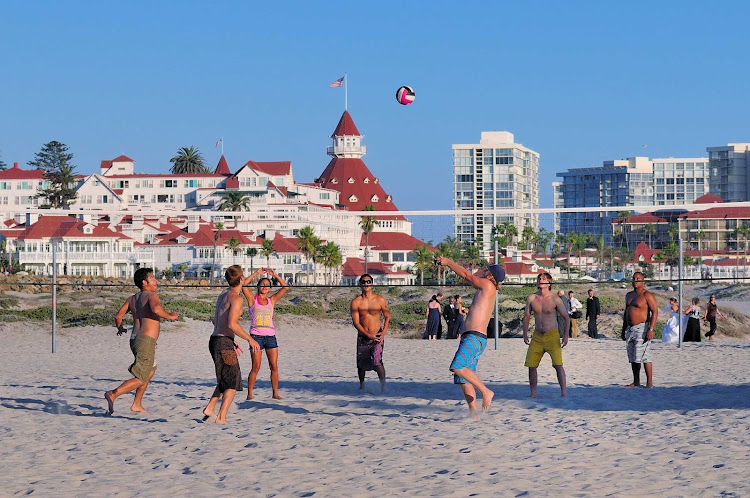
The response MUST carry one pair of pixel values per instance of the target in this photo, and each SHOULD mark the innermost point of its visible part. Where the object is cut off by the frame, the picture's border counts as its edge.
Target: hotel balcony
(86, 257)
(340, 149)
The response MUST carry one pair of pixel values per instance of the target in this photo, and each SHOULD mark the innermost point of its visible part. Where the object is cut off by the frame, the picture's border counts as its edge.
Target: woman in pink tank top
(261, 327)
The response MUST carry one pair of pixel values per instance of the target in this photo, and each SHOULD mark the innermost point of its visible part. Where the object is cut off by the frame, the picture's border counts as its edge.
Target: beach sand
(687, 436)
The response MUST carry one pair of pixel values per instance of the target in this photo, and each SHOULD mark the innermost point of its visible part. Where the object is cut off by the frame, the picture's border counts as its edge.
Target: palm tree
(368, 225)
(471, 255)
(579, 244)
(233, 244)
(330, 257)
(510, 231)
(543, 239)
(622, 218)
(266, 250)
(527, 235)
(660, 258)
(649, 229)
(422, 260)
(308, 244)
(217, 235)
(671, 256)
(234, 201)
(251, 253)
(497, 235)
(188, 160)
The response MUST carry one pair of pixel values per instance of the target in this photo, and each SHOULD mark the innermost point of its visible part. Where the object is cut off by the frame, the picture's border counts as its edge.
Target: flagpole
(222, 146)
(345, 92)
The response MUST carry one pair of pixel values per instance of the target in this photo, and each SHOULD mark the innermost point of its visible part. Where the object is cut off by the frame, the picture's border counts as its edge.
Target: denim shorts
(265, 341)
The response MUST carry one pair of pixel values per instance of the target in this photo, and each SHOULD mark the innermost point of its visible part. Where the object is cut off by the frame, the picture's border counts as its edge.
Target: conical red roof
(222, 168)
(358, 186)
(346, 126)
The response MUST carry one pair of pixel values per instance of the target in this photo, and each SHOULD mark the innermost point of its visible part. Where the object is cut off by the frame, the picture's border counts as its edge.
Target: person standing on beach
(262, 329)
(593, 310)
(223, 348)
(561, 329)
(574, 310)
(710, 316)
(146, 310)
(546, 307)
(473, 339)
(693, 329)
(367, 309)
(449, 313)
(640, 307)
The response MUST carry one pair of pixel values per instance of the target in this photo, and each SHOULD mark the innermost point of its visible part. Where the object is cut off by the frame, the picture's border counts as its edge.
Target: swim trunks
(144, 351)
(547, 342)
(226, 363)
(470, 348)
(369, 353)
(638, 350)
(265, 341)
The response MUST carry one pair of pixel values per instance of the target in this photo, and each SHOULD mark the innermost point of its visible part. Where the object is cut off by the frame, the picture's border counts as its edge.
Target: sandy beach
(688, 436)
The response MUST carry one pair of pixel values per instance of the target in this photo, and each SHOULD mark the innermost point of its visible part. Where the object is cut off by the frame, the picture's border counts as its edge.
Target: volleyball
(405, 95)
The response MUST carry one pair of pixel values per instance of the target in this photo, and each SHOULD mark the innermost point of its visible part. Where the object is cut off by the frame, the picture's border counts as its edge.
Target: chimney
(137, 222)
(31, 218)
(193, 224)
(15, 165)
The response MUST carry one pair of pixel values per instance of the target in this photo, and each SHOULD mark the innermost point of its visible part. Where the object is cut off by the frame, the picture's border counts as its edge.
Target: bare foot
(249, 396)
(487, 400)
(277, 396)
(633, 384)
(221, 421)
(474, 415)
(207, 415)
(649, 385)
(110, 402)
(134, 408)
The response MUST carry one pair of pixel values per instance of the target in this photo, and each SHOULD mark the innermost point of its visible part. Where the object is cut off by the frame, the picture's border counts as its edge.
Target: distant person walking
(640, 308)
(433, 318)
(711, 311)
(574, 310)
(449, 313)
(672, 329)
(593, 310)
(147, 311)
(459, 326)
(693, 329)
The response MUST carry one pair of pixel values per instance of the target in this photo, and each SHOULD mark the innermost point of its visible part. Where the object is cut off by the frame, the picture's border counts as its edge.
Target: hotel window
(26, 185)
(325, 195)
(170, 183)
(4, 186)
(398, 257)
(191, 183)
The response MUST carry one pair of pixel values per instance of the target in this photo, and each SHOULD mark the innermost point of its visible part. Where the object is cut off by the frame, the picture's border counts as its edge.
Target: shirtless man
(366, 311)
(546, 308)
(224, 350)
(146, 310)
(638, 304)
(474, 340)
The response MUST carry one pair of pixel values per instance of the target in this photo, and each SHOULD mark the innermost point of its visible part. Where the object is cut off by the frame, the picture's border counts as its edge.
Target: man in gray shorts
(640, 308)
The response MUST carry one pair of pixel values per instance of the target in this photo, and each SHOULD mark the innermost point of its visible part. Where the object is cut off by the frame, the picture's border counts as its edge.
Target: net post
(54, 294)
(497, 310)
(679, 291)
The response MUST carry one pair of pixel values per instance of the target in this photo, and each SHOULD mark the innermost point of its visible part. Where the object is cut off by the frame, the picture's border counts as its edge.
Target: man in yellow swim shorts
(545, 306)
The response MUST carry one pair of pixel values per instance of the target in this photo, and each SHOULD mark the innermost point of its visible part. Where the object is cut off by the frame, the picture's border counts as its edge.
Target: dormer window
(334, 180)
(88, 229)
(353, 198)
(350, 180)
(388, 199)
(375, 198)
(377, 181)
(366, 180)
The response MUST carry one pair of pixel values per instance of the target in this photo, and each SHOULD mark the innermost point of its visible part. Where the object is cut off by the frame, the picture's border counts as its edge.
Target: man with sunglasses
(473, 340)
(367, 309)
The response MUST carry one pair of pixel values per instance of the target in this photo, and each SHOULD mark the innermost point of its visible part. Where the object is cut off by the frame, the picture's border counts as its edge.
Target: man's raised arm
(460, 271)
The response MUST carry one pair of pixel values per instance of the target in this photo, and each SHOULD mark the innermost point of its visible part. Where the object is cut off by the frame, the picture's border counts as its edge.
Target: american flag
(218, 142)
(337, 83)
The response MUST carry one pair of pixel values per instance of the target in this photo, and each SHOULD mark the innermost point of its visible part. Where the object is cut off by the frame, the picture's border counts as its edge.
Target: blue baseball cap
(497, 271)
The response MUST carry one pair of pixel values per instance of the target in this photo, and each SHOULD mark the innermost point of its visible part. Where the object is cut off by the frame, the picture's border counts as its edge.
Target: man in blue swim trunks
(473, 340)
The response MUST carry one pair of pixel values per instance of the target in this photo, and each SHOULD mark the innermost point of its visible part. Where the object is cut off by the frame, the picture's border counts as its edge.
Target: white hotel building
(496, 173)
(140, 223)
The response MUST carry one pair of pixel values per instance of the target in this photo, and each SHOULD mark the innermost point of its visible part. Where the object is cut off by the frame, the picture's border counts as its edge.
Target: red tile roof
(122, 158)
(518, 269)
(643, 218)
(273, 168)
(204, 237)
(708, 199)
(346, 126)
(391, 241)
(354, 267)
(336, 176)
(222, 168)
(65, 226)
(16, 173)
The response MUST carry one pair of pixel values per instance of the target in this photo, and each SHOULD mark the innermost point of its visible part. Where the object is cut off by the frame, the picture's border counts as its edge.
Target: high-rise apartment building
(495, 174)
(635, 181)
(729, 175)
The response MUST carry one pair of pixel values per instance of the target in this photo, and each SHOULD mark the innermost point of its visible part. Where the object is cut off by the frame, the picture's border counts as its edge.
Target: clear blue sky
(579, 82)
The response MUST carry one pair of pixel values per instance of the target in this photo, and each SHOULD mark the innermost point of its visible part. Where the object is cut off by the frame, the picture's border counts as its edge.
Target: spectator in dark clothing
(449, 313)
(593, 310)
